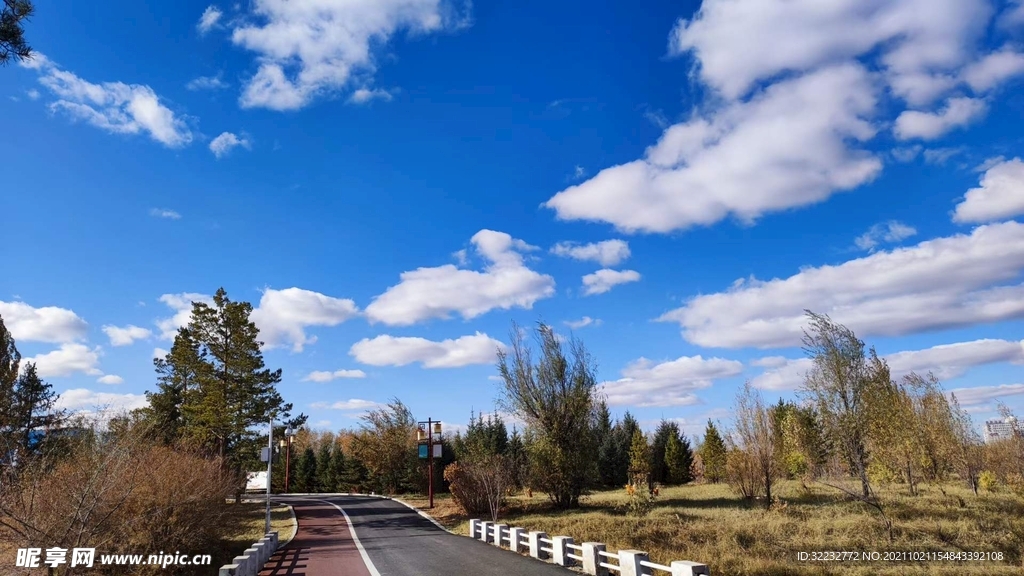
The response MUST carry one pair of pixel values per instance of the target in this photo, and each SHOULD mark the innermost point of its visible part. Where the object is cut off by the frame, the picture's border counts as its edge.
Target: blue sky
(392, 183)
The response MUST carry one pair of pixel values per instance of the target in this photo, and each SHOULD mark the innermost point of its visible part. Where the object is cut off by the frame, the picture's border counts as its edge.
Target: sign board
(424, 450)
(264, 454)
(256, 480)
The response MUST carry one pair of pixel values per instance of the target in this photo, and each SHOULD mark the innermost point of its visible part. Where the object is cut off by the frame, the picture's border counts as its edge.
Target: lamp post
(432, 428)
(270, 463)
(286, 443)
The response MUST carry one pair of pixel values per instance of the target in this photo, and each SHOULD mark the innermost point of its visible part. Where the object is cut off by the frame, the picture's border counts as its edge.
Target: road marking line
(424, 514)
(355, 538)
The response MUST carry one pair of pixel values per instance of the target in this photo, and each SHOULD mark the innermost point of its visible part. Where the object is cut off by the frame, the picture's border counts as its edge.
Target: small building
(996, 430)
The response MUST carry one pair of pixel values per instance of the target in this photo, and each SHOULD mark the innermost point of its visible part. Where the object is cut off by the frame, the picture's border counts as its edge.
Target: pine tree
(324, 468)
(678, 459)
(10, 363)
(337, 470)
(606, 445)
(32, 408)
(622, 433)
(517, 459)
(181, 370)
(355, 474)
(305, 471)
(713, 454)
(659, 445)
(639, 459)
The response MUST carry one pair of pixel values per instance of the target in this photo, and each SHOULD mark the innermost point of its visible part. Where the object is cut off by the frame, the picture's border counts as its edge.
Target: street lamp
(425, 438)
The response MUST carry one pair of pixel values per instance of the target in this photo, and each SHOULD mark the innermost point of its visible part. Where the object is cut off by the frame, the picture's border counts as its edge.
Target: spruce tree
(639, 459)
(337, 470)
(713, 453)
(659, 462)
(606, 446)
(324, 468)
(305, 471)
(10, 363)
(678, 459)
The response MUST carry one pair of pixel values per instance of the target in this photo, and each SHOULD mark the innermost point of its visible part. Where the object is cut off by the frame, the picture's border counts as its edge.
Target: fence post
(629, 563)
(474, 526)
(536, 544)
(687, 568)
(560, 550)
(244, 563)
(485, 530)
(592, 559)
(499, 531)
(229, 570)
(515, 539)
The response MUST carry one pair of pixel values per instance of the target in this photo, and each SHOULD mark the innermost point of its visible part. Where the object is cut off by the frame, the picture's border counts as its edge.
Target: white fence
(252, 560)
(591, 556)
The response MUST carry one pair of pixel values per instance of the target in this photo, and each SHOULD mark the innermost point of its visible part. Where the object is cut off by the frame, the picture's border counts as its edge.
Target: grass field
(709, 524)
(243, 525)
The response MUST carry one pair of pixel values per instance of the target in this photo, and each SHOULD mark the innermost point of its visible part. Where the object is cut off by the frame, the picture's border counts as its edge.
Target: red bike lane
(322, 546)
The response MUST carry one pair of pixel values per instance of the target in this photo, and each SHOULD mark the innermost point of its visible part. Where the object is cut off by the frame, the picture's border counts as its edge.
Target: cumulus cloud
(67, 360)
(116, 107)
(891, 231)
(946, 282)
(45, 324)
(182, 306)
(127, 335)
(209, 19)
(283, 315)
(981, 394)
(605, 279)
(994, 69)
(439, 292)
(365, 95)
(1000, 195)
(398, 351)
(221, 145)
(309, 48)
(671, 383)
(110, 379)
(582, 322)
(207, 83)
(946, 361)
(605, 253)
(354, 404)
(164, 213)
(792, 145)
(159, 353)
(958, 112)
(79, 399)
(327, 376)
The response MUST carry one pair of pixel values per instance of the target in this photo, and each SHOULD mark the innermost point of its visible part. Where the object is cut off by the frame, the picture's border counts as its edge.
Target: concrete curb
(424, 514)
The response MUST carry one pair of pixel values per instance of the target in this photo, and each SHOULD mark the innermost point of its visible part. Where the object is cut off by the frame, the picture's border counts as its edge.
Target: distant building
(1001, 429)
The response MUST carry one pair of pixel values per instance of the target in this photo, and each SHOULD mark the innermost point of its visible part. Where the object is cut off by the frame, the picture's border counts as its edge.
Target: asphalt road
(394, 541)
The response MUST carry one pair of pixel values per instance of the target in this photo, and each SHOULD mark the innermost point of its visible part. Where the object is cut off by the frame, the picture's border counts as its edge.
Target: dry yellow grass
(244, 525)
(710, 524)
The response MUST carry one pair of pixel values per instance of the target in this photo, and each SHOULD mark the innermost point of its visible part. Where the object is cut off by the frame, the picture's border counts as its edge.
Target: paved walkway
(390, 540)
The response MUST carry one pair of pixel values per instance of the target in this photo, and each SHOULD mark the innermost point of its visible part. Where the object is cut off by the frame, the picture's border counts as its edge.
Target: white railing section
(252, 560)
(592, 557)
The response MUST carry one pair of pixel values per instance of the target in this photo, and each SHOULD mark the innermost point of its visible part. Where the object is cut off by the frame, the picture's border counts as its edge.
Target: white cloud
(578, 172)
(33, 94)
(941, 155)
(585, 321)
(671, 383)
(1014, 15)
(930, 125)
(116, 107)
(605, 279)
(209, 19)
(127, 335)
(770, 361)
(994, 69)
(946, 361)
(891, 231)
(223, 144)
(327, 376)
(67, 360)
(207, 83)
(79, 399)
(398, 351)
(605, 253)
(365, 95)
(159, 353)
(353, 404)
(947, 282)
(283, 315)
(164, 213)
(906, 154)
(741, 42)
(440, 291)
(1000, 195)
(309, 48)
(182, 306)
(789, 146)
(45, 324)
(981, 394)
(110, 379)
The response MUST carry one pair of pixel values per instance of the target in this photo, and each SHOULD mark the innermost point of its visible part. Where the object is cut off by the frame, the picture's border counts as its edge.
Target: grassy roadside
(708, 523)
(243, 525)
